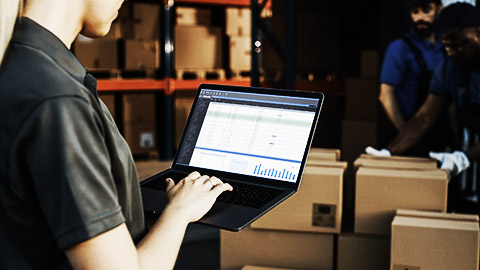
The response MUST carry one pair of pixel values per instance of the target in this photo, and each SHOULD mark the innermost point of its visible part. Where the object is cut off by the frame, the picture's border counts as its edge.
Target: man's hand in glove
(455, 162)
(378, 153)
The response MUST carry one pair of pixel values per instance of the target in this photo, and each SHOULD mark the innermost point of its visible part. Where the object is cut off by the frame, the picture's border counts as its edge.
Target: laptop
(256, 139)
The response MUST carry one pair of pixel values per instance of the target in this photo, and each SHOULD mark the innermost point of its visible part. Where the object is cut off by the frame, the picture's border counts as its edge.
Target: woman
(69, 193)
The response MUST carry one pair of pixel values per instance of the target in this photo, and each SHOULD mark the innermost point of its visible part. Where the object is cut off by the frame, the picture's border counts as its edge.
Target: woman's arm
(188, 201)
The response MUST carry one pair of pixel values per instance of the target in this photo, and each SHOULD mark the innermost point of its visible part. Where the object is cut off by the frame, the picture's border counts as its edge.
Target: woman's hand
(194, 195)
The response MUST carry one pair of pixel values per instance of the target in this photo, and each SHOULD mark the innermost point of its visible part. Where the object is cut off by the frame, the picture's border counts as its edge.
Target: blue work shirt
(401, 70)
(445, 83)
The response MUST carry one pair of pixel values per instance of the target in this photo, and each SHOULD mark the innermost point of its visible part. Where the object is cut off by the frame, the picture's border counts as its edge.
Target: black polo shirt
(66, 173)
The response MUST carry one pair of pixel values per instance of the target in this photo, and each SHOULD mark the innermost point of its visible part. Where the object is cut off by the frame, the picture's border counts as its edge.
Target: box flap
(405, 173)
(395, 162)
(436, 215)
(326, 163)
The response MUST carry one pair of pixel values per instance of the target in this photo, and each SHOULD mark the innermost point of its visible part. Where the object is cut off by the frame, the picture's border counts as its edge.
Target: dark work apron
(437, 138)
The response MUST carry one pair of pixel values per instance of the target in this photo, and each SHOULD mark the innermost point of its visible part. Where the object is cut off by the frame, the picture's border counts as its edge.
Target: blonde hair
(9, 10)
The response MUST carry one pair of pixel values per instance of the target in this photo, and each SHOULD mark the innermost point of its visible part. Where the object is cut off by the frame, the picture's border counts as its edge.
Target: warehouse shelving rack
(166, 86)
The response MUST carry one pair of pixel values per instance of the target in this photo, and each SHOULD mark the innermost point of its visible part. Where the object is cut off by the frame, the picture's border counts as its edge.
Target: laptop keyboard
(252, 196)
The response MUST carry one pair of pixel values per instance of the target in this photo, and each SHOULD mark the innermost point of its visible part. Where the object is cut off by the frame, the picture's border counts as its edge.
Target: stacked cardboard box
(139, 122)
(425, 240)
(198, 45)
(238, 29)
(386, 185)
(132, 42)
(361, 252)
(383, 185)
(298, 233)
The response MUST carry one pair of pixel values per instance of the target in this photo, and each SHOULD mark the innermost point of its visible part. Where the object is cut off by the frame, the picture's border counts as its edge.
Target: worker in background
(69, 190)
(456, 80)
(405, 76)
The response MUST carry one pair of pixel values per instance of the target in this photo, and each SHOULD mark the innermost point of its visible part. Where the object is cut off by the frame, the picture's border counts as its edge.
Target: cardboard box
(146, 21)
(97, 53)
(240, 53)
(379, 192)
(422, 240)
(275, 249)
(361, 252)
(238, 21)
(395, 162)
(327, 163)
(361, 101)
(197, 47)
(142, 54)
(138, 108)
(193, 16)
(109, 101)
(369, 64)
(324, 154)
(253, 267)
(141, 137)
(356, 136)
(315, 207)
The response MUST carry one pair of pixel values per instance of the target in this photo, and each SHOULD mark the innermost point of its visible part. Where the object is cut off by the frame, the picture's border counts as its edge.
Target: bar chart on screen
(261, 141)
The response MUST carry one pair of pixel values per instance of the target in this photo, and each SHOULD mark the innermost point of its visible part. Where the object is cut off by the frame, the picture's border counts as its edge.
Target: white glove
(455, 162)
(378, 153)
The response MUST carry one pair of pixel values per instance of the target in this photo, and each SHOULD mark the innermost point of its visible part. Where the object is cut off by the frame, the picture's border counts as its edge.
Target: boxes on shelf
(141, 54)
(139, 122)
(197, 47)
(315, 207)
(193, 16)
(356, 136)
(146, 23)
(380, 191)
(369, 64)
(97, 53)
(238, 21)
(423, 240)
(361, 100)
(240, 53)
(297, 250)
(324, 154)
(360, 252)
(395, 162)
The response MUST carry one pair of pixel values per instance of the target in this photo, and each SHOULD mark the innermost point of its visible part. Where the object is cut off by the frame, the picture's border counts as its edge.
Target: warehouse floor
(201, 246)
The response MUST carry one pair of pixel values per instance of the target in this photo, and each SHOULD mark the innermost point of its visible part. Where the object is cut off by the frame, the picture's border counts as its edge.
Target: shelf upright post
(256, 44)
(165, 100)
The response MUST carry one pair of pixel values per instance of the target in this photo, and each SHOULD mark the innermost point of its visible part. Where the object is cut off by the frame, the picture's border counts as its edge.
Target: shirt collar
(32, 34)
(415, 36)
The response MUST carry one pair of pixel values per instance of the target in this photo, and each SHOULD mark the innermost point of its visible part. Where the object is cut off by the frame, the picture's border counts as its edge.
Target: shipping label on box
(379, 192)
(296, 250)
(315, 207)
(423, 240)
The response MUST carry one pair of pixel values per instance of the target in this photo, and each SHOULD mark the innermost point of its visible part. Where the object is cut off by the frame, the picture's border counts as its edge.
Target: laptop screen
(263, 135)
